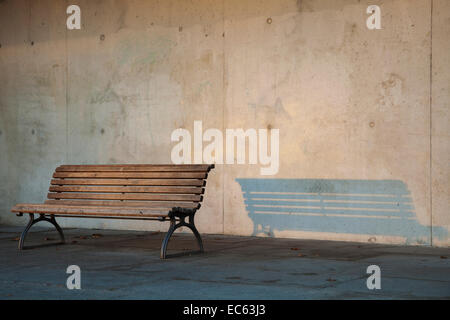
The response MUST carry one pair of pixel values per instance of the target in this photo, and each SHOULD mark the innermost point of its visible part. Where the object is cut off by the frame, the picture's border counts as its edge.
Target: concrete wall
(363, 114)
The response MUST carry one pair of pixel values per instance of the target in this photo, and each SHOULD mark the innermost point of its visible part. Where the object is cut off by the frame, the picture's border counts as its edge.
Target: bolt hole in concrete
(372, 124)
(269, 20)
(32, 131)
(102, 131)
(102, 37)
(32, 43)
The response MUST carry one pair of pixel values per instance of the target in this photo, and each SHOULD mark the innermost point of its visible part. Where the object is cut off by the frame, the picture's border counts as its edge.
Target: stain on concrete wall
(350, 103)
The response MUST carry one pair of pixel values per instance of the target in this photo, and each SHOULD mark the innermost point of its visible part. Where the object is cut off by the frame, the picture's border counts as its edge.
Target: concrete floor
(126, 265)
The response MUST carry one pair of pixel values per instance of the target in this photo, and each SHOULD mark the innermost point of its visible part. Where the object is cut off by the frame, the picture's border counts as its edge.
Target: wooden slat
(128, 189)
(126, 196)
(135, 168)
(130, 182)
(90, 210)
(117, 203)
(143, 175)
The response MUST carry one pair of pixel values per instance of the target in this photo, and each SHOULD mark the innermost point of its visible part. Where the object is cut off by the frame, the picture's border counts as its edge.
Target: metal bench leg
(191, 226)
(33, 221)
(167, 237)
(181, 223)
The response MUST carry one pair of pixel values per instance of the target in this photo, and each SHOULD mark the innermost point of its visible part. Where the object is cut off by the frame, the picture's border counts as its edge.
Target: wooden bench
(139, 192)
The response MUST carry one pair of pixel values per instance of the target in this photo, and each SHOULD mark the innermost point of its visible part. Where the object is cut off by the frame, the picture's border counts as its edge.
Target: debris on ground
(81, 237)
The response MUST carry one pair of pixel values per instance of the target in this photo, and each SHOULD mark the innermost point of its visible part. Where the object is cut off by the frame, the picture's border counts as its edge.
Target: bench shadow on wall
(369, 207)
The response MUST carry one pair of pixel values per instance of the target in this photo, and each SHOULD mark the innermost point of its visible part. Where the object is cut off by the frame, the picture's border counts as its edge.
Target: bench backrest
(156, 186)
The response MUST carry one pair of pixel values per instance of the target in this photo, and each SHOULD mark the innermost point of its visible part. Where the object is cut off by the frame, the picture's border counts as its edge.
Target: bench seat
(104, 211)
(139, 192)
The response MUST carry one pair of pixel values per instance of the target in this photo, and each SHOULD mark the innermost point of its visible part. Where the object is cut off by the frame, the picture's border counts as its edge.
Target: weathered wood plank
(90, 210)
(128, 189)
(144, 175)
(126, 196)
(135, 168)
(128, 203)
(130, 182)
